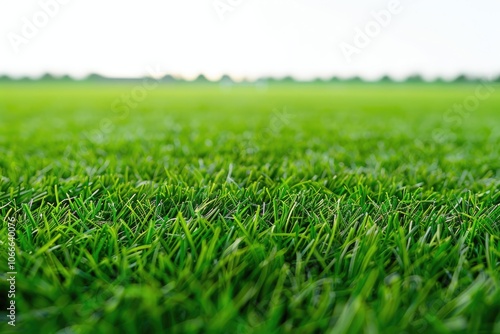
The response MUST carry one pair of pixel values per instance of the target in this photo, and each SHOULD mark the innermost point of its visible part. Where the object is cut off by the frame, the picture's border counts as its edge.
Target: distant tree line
(226, 79)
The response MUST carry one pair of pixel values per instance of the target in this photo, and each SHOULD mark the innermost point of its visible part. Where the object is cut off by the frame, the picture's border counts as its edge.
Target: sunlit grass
(306, 208)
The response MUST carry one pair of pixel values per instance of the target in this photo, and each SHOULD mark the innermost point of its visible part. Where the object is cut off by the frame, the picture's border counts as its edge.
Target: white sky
(257, 38)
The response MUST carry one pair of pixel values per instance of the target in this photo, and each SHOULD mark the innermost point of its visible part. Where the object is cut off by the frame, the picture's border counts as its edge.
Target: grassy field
(332, 208)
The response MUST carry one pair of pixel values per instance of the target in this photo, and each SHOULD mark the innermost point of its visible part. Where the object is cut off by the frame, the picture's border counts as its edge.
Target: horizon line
(228, 78)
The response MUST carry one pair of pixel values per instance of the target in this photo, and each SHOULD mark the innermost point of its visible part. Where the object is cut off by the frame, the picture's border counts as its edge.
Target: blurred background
(251, 38)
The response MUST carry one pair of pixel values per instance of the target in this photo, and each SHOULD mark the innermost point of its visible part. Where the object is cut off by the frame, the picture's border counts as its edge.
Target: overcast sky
(250, 38)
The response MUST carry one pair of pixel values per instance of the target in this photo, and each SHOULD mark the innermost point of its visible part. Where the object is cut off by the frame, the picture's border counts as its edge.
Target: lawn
(287, 208)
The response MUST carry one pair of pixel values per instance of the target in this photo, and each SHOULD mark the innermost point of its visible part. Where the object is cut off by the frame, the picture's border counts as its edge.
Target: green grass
(203, 210)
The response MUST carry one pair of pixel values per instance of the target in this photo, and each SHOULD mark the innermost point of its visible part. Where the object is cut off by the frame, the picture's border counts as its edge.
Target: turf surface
(334, 208)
